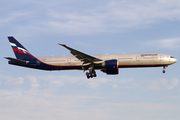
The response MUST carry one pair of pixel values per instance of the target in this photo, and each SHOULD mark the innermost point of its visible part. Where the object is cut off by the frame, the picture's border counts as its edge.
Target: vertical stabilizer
(19, 50)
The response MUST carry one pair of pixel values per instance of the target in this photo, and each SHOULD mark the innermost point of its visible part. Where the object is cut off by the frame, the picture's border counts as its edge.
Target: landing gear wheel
(87, 74)
(95, 75)
(91, 74)
(164, 67)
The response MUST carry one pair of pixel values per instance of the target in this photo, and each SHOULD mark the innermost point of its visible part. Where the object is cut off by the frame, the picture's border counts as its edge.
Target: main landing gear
(91, 74)
(164, 67)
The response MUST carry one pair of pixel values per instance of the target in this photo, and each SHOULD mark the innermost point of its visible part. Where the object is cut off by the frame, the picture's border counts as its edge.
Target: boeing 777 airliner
(108, 64)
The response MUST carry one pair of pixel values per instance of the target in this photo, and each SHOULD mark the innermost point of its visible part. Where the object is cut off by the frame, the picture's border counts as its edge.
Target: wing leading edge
(83, 57)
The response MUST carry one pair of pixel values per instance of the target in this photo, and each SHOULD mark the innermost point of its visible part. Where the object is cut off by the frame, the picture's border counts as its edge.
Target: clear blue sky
(94, 27)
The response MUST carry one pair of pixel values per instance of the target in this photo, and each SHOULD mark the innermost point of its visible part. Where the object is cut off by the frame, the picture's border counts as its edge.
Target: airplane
(107, 63)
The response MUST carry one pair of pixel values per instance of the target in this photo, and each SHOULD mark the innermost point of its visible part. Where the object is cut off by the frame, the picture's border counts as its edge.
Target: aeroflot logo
(144, 55)
(19, 49)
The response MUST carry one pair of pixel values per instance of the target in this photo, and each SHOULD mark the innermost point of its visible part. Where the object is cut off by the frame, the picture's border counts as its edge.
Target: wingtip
(61, 44)
(10, 36)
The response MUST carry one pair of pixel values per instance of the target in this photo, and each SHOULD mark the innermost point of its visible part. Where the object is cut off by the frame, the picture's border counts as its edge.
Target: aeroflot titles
(144, 55)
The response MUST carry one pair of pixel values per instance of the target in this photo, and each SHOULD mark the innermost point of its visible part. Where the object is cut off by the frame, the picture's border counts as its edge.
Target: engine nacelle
(110, 67)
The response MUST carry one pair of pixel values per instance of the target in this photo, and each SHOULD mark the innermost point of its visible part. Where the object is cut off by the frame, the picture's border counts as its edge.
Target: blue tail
(20, 51)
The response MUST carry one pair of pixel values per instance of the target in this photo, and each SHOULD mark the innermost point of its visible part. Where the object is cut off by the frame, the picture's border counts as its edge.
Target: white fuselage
(124, 60)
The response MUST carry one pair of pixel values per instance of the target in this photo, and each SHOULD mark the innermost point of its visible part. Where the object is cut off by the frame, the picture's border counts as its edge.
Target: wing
(82, 56)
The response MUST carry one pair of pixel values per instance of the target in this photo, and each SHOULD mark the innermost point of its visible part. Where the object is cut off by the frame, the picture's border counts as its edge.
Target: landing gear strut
(164, 67)
(91, 74)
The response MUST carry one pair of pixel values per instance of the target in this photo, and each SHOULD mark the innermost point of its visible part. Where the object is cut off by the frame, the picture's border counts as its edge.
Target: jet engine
(110, 67)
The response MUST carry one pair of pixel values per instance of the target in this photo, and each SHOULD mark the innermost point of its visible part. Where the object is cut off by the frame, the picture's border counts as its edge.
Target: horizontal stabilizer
(16, 60)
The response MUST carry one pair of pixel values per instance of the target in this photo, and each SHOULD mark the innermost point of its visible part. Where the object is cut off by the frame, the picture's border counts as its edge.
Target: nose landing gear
(164, 67)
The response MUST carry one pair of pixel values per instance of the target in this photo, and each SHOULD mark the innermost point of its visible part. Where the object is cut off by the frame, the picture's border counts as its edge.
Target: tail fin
(20, 51)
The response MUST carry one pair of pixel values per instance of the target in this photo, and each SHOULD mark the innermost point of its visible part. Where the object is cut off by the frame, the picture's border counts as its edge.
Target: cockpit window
(171, 57)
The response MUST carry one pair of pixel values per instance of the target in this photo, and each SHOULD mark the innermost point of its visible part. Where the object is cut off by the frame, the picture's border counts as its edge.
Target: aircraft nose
(174, 60)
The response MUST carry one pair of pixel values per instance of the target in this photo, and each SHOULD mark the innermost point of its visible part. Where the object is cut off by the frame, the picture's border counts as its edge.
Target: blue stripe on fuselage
(42, 66)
